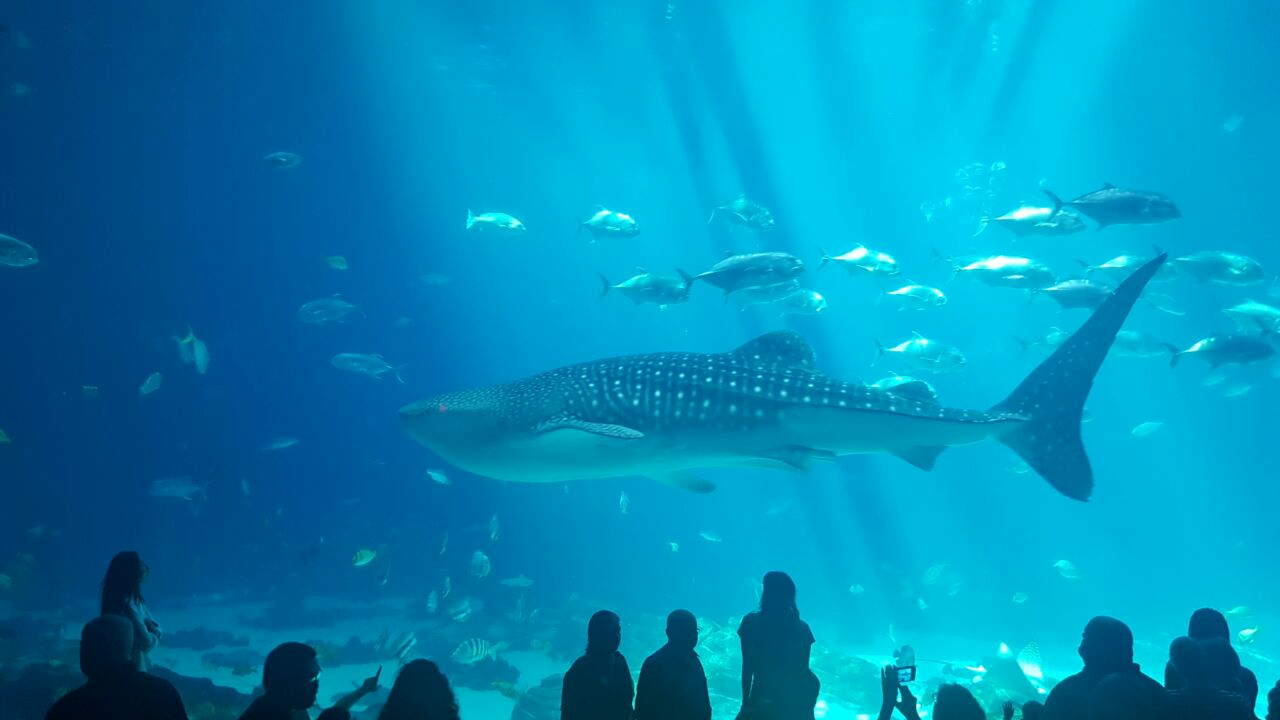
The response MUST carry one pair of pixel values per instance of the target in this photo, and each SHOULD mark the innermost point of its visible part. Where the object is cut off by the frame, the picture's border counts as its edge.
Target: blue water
(133, 165)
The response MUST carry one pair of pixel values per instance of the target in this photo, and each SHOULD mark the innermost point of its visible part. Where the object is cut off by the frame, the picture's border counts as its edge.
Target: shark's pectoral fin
(922, 457)
(685, 481)
(798, 456)
(621, 432)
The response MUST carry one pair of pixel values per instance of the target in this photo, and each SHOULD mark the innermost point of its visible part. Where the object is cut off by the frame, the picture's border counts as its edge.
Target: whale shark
(765, 404)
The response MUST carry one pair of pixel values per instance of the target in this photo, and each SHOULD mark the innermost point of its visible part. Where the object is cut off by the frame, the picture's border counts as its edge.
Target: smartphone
(906, 674)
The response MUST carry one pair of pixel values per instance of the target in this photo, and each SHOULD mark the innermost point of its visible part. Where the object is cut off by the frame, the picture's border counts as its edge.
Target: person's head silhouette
(123, 582)
(1188, 658)
(420, 691)
(682, 629)
(778, 597)
(604, 633)
(291, 675)
(106, 646)
(954, 702)
(1106, 645)
(1207, 623)
(1033, 710)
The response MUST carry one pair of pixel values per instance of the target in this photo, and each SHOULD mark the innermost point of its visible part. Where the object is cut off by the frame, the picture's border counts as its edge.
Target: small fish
(374, 366)
(326, 311)
(1077, 293)
(920, 603)
(1251, 315)
(460, 610)
(1231, 348)
(752, 270)
(446, 587)
(1006, 271)
(444, 545)
(1033, 220)
(1138, 344)
(282, 160)
(433, 602)
(710, 536)
(1020, 598)
(801, 302)
(1239, 611)
(1067, 569)
(480, 565)
(1247, 636)
(1145, 429)
(506, 689)
(363, 557)
(746, 213)
(281, 443)
(905, 386)
(438, 476)
(1222, 268)
(244, 486)
(624, 502)
(496, 221)
(15, 253)
(647, 287)
(1237, 390)
(857, 589)
(607, 223)
(193, 351)
(915, 297)
(493, 528)
(923, 353)
(182, 488)
(1111, 205)
(337, 262)
(1217, 377)
(151, 384)
(519, 581)
(862, 260)
(403, 645)
(675, 546)
(474, 650)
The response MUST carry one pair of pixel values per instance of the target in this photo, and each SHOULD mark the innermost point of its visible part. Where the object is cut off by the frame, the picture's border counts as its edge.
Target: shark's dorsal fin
(781, 347)
(916, 390)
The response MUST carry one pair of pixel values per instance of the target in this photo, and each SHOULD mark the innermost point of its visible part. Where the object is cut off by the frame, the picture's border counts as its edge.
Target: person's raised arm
(369, 685)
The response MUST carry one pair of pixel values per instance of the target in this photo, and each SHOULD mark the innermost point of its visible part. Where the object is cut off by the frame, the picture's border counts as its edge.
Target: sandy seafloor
(368, 622)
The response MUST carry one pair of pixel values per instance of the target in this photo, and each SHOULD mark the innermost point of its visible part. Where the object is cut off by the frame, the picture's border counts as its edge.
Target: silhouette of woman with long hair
(598, 686)
(122, 595)
(421, 692)
(776, 681)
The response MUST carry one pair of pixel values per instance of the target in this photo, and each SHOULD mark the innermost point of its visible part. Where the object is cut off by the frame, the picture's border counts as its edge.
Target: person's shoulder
(749, 622)
(67, 706)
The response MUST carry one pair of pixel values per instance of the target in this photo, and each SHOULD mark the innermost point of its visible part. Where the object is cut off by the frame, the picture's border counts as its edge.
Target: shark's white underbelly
(570, 454)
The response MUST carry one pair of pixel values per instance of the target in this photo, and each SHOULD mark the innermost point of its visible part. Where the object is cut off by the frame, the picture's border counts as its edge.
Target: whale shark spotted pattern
(764, 404)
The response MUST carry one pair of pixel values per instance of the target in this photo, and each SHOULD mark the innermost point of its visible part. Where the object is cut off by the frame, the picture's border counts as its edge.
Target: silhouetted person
(598, 685)
(673, 685)
(776, 681)
(1033, 710)
(290, 681)
(1119, 696)
(421, 692)
(1210, 689)
(115, 690)
(954, 702)
(1206, 624)
(890, 688)
(122, 595)
(1273, 703)
(1106, 647)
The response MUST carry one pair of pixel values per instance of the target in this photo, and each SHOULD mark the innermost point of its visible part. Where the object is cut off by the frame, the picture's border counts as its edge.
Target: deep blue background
(134, 167)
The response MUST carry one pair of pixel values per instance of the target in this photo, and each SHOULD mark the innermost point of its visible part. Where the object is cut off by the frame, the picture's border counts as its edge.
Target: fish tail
(396, 371)
(712, 218)
(1174, 355)
(880, 351)
(983, 222)
(605, 285)
(1023, 345)
(1053, 197)
(688, 279)
(825, 258)
(1051, 398)
(1087, 267)
(471, 219)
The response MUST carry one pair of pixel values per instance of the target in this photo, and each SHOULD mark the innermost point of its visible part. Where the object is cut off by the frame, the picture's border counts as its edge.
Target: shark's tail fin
(1051, 399)
(606, 286)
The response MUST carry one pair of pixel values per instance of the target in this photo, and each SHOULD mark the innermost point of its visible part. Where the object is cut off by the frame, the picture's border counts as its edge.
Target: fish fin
(685, 481)
(714, 212)
(471, 219)
(607, 286)
(1108, 186)
(1174, 355)
(396, 371)
(621, 432)
(924, 457)
(686, 277)
(1087, 267)
(1053, 197)
(1023, 345)
(798, 456)
(781, 347)
(915, 335)
(982, 226)
(1051, 398)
